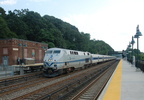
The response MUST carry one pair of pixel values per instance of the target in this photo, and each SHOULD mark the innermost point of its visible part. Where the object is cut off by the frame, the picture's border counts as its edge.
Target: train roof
(66, 49)
(69, 51)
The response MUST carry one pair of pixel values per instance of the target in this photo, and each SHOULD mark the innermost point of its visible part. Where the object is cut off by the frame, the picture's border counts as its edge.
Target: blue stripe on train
(80, 60)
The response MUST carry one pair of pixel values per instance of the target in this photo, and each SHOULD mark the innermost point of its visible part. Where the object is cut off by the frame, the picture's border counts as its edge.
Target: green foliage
(142, 56)
(17, 25)
(25, 24)
(138, 55)
(2, 12)
(51, 45)
(5, 31)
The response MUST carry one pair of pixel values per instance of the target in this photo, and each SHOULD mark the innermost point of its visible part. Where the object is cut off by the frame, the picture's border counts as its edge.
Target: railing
(6, 71)
(138, 64)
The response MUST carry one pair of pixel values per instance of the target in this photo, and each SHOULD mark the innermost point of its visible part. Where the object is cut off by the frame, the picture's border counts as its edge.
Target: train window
(56, 51)
(74, 52)
(49, 51)
(71, 52)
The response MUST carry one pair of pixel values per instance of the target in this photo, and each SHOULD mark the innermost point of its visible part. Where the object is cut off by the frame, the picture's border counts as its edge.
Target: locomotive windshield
(49, 51)
(56, 51)
(53, 51)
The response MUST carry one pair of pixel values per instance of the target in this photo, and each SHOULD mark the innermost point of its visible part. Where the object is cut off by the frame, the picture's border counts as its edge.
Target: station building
(17, 51)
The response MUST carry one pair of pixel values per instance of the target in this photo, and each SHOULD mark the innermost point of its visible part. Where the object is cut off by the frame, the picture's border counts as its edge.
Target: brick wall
(12, 49)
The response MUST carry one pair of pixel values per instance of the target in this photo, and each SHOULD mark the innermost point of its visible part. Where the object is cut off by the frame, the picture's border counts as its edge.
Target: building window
(25, 53)
(33, 53)
(5, 50)
(40, 54)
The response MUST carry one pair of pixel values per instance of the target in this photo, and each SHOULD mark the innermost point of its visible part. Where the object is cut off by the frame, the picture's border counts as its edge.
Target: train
(58, 61)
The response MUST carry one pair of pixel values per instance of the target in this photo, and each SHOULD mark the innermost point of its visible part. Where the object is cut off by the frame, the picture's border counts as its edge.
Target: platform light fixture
(129, 46)
(128, 50)
(132, 43)
(137, 35)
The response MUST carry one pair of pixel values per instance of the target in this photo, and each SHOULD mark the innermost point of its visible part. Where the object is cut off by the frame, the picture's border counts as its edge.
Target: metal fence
(138, 64)
(6, 70)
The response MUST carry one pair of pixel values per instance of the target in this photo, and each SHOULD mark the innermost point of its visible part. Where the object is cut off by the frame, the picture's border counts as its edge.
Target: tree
(17, 25)
(5, 31)
(46, 35)
(34, 22)
(25, 24)
(2, 12)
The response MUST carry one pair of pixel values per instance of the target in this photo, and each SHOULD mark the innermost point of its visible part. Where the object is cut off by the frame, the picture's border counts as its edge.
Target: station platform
(126, 83)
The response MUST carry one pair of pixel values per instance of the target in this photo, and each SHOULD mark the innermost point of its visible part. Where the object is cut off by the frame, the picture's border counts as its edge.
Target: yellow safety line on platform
(113, 91)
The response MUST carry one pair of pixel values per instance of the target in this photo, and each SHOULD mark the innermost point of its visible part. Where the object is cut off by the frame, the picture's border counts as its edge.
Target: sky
(113, 21)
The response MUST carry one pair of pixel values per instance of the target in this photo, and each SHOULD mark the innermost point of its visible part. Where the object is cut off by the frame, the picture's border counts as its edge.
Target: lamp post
(129, 52)
(132, 42)
(137, 35)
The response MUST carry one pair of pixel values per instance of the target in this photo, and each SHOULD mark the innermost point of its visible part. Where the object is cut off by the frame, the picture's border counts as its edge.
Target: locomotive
(58, 61)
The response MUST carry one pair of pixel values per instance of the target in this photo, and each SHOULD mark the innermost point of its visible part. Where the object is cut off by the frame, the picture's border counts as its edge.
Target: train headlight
(49, 59)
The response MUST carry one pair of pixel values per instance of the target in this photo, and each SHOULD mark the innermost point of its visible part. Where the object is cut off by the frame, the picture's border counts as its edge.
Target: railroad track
(23, 87)
(20, 78)
(94, 88)
(40, 87)
(57, 89)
